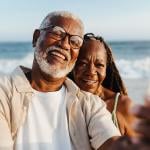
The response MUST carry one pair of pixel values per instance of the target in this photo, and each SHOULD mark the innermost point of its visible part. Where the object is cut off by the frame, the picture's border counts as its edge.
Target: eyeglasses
(58, 33)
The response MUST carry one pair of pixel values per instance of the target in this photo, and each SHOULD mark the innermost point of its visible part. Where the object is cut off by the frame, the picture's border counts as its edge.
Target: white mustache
(62, 51)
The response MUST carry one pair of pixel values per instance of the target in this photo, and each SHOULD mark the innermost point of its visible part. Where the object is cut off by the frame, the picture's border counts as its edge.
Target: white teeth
(90, 81)
(58, 54)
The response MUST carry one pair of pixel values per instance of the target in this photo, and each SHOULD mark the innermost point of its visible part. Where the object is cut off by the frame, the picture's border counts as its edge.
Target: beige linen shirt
(89, 122)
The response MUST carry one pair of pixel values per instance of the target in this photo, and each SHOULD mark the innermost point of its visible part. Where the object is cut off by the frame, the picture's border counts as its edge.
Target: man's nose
(65, 43)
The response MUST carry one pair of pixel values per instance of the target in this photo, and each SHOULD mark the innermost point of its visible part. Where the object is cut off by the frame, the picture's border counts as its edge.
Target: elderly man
(41, 108)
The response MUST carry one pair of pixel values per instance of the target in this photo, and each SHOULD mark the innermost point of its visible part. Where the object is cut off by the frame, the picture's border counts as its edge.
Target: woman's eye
(83, 64)
(99, 65)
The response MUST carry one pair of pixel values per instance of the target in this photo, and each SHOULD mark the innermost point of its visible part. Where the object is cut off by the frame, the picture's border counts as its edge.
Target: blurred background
(125, 25)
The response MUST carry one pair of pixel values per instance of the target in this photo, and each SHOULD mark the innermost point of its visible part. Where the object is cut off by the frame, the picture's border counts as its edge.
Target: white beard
(50, 69)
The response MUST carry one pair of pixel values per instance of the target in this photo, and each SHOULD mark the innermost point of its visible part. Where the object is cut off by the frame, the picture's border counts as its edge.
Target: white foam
(134, 68)
(8, 65)
(129, 69)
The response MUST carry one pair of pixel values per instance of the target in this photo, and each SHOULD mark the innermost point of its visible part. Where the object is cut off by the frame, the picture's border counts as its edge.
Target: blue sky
(113, 19)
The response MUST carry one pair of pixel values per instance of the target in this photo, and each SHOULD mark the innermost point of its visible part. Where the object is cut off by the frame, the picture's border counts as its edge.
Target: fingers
(123, 143)
(142, 127)
(147, 100)
(140, 144)
(126, 143)
(141, 111)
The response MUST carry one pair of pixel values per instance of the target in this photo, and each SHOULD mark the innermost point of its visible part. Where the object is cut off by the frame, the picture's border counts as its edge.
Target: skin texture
(40, 80)
(90, 72)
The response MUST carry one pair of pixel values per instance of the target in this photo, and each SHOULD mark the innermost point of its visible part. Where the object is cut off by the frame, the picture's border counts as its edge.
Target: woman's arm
(125, 118)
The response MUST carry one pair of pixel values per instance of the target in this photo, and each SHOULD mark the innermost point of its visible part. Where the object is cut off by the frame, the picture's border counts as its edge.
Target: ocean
(132, 59)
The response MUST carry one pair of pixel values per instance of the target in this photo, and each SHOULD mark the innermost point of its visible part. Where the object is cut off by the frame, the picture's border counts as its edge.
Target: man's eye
(56, 32)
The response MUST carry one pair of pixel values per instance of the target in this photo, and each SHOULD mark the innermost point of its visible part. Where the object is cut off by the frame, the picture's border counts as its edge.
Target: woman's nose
(92, 69)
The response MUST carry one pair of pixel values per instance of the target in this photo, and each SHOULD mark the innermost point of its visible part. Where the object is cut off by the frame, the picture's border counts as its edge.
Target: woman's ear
(36, 35)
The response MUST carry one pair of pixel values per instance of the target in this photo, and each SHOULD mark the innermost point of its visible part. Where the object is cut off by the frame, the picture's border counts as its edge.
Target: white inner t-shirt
(46, 126)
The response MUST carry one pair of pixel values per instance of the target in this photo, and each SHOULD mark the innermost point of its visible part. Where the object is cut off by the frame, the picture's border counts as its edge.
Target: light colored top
(45, 127)
(90, 124)
(114, 115)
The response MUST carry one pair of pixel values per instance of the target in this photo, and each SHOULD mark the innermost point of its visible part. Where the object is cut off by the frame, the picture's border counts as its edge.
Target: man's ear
(36, 35)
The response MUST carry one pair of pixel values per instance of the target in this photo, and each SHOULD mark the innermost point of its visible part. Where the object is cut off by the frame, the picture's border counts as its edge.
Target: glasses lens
(56, 32)
(59, 33)
(76, 41)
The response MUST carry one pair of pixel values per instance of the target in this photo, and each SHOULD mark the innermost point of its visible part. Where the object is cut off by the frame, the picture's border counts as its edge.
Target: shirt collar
(21, 82)
(23, 85)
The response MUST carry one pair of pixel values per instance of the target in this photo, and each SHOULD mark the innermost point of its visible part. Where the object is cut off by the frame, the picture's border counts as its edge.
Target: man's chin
(59, 72)
(55, 72)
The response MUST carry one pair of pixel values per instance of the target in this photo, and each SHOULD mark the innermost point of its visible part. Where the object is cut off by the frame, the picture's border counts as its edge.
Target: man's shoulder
(82, 96)
(90, 98)
(74, 89)
(87, 94)
(5, 88)
(5, 79)
(16, 78)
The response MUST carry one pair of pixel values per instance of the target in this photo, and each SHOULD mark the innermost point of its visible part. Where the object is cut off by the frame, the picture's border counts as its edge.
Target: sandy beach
(136, 88)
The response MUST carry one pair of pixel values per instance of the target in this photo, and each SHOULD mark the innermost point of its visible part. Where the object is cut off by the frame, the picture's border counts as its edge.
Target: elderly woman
(95, 71)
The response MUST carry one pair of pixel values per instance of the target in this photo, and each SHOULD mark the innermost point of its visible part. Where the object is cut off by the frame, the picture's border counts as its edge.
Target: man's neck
(45, 83)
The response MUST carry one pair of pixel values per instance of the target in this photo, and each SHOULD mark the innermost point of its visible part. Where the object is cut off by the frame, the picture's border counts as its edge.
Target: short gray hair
(47, 20)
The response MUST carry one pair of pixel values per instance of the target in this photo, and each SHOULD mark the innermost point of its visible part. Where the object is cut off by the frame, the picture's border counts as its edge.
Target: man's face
(56, 57)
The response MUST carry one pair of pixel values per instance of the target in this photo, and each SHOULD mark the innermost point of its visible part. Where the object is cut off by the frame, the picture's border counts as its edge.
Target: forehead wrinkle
(53, 19)
(77, 28)
(70, 25)
(91, 51)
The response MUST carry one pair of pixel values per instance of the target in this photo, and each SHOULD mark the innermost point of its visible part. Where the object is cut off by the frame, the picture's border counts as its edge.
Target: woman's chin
(91, 90)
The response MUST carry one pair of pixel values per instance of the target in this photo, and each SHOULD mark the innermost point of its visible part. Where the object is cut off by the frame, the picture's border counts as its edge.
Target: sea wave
(129, 69)
(8, 65)
(134, 69)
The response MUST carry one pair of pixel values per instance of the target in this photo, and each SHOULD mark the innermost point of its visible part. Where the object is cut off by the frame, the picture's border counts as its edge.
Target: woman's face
(90, 69)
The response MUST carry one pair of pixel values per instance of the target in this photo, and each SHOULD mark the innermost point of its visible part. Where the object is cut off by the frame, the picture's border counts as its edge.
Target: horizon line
(115, 40)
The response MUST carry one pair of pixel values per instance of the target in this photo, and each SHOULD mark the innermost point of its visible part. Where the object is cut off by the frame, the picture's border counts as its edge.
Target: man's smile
(56, 55)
